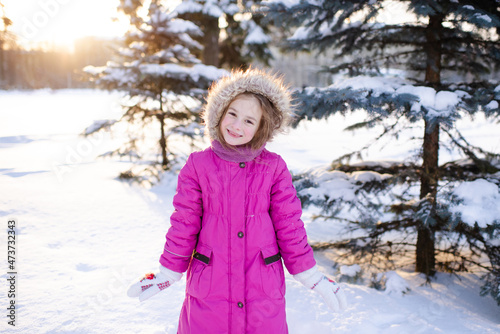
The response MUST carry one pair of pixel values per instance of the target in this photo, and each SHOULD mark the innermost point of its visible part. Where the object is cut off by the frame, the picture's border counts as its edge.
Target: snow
(350, 270)
(188, 7)
(98, 124)
(396, 284)
(438, 104)
(210, 8)
(83, 236)
(483, 17)
(286, 3)
(480, 202)
(257, 36)
(112, 74)
(492, 105)
(337, 184)
(446, 100)
(165, 69)
(179, 26)
(368, 176)
(210, 72)
(300, 33)
(426, 95)
(159, 17)
(231, 9)
(378, 85)
(340, 189)
(195, 72)
(123, 75)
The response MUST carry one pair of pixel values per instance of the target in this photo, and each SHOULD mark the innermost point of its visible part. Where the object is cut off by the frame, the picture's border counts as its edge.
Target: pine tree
(241, 39)
(163, 79)
(165, 59)
(449, 51)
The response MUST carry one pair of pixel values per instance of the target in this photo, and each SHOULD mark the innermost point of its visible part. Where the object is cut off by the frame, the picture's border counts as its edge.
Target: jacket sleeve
(185, 221)
(286, 212)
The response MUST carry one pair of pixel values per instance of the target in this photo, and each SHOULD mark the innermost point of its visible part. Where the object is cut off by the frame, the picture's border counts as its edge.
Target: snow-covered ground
(83, 236)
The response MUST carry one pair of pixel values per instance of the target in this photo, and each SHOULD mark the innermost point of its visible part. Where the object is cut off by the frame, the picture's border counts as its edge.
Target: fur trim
(222, 93)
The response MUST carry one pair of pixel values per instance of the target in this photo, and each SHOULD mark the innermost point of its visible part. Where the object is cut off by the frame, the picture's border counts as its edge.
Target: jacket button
(240, 305)
(240, 234)
(242, 164)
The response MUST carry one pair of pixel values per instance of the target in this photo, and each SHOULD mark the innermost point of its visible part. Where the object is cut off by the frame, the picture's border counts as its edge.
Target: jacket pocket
(272, 274)
(199, 276)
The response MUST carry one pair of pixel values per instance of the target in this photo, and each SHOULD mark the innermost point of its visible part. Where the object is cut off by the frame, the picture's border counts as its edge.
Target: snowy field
(83, 236)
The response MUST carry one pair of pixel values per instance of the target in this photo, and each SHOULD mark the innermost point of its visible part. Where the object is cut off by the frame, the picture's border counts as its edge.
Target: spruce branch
(387, 129)
(483, 165)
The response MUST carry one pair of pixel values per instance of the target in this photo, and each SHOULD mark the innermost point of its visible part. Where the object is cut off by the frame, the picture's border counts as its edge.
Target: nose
(237, 124)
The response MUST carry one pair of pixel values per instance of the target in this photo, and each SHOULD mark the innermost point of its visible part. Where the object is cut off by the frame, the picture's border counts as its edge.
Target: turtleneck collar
(236, 154)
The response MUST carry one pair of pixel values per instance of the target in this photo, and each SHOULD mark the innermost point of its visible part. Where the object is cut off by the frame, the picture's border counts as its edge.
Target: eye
(231, 113)
(250, 122)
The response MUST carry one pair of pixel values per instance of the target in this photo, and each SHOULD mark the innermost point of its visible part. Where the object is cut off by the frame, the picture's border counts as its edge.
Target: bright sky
(60, 22)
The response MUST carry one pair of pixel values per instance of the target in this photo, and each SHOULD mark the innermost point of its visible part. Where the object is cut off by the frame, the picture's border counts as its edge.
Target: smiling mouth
(232, 134)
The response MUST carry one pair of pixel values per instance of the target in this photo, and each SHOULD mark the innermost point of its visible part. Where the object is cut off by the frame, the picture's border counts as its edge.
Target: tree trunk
(211, 41)
(425, 252)
(163, 138)
(163, 143)
(209, 25)
(425, 261)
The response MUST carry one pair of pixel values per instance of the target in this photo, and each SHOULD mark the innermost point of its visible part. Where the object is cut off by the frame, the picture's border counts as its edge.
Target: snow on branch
(256, 35)
(478, 202)
(384, 95)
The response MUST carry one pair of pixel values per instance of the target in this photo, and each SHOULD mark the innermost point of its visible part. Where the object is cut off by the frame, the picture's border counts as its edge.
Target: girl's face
(241, 121)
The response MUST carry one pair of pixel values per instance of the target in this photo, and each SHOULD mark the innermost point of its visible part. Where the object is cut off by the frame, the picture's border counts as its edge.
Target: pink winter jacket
(232, 226)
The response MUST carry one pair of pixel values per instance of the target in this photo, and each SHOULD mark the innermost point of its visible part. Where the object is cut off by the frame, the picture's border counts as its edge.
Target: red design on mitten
(149, 277)
(164, 285)
(150, 284)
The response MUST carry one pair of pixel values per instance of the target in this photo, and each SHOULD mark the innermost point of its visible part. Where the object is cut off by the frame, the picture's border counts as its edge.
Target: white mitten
(151, 284)
(329, 289)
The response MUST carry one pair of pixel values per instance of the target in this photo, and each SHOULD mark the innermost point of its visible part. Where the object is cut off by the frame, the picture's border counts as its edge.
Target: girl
(237, 218)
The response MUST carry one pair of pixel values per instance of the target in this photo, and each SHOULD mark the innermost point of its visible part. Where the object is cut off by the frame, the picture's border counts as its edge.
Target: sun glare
(59, 23)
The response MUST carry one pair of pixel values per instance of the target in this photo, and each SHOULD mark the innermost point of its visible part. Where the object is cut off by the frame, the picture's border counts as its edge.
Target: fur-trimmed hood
(222, 93)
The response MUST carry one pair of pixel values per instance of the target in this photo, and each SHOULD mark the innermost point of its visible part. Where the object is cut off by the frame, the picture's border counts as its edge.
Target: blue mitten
(329, 289)
(151, 284)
